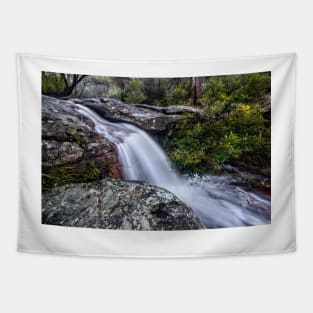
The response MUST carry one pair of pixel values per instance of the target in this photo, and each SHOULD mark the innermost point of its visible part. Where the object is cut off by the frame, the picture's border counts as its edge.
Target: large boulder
(117, 204)
(90, 87)
(150, 118)
(72, 151)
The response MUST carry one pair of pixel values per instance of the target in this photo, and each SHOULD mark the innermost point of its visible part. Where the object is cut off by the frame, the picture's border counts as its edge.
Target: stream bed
(219, 201)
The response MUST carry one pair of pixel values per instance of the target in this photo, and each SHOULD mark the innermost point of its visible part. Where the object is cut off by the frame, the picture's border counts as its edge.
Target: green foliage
(60, 84)
(135, 94)
(199, 146)
(59, 176)
(154, 91)
(235, 125)
(114, 92)
(188, 145)
(177, 95)
(214, 90)
(244, 88)
(93, 171)
(79, 139)
(231, 130)
(52, 84)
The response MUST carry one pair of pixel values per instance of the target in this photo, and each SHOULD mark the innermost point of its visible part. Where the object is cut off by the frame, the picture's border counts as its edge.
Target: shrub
(135, 94)
(197, 146)
(52, 84)
(177, 95)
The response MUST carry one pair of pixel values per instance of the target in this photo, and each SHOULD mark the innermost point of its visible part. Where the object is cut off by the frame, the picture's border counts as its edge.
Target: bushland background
(152, 30)
(234, 127)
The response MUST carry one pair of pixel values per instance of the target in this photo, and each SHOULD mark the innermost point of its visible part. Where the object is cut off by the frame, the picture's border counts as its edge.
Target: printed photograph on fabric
(156, 154)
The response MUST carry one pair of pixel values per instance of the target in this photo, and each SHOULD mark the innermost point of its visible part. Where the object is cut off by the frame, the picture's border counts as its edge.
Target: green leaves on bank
(201, 146)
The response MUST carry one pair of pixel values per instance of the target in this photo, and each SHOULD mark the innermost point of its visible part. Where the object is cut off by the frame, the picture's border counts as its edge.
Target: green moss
(94, 172)
(79, 139)
(59, 176)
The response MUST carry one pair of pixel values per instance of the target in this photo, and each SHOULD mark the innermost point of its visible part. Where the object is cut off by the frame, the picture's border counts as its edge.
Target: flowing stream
(214, 199)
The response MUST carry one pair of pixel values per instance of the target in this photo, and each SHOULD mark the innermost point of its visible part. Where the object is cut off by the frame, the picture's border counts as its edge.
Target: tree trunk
(70, 85)
(196, 89)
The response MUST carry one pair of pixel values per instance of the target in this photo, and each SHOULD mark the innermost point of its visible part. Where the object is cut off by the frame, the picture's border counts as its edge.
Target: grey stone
(147, 117)
(71, 146)
(116, 204)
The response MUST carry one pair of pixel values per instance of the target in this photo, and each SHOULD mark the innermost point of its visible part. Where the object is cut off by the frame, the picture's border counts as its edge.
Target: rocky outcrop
(72, 151)
(249, 176)
(90, 87)
(173, 109)
(117, 204)
(150, 118)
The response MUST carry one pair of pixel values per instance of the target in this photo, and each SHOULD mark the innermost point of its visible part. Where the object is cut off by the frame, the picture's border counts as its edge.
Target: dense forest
(234, 127)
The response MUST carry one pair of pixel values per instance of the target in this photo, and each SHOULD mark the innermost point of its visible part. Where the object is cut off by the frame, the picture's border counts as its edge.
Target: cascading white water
(216, 202)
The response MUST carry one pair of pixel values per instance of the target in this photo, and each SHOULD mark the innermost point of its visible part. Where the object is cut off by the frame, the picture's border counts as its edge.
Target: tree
(196, 89)
(122, 85)
(134, 91)
(70, 82)
(60, 84)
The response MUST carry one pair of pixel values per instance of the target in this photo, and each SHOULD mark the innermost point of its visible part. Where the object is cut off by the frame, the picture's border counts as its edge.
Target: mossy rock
(69, 174)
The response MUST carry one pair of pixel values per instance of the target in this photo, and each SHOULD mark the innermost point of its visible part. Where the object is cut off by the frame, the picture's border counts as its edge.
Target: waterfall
(214, 199)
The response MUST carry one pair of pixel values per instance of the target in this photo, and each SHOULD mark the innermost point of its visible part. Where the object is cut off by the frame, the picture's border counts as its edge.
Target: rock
(117, 204)
(249, 176)
(55, 153)
(62, 122)
(266, 102)
(173, 109)
(90, 87)
(147, 117)
(72, 151)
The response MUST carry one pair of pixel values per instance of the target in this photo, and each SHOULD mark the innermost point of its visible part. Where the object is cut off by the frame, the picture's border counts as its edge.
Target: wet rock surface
(249, 177)
(55, 153)
(150, 118)
(117, 204)
(72, 151)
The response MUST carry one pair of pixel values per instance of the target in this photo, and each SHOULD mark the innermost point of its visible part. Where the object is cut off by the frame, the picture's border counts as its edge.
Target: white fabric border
(277, 237)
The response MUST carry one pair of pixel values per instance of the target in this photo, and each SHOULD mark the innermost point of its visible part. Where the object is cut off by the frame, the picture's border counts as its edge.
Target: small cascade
(214, 199)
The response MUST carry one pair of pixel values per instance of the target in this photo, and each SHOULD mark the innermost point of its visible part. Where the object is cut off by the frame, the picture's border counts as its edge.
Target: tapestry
(184, 158)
